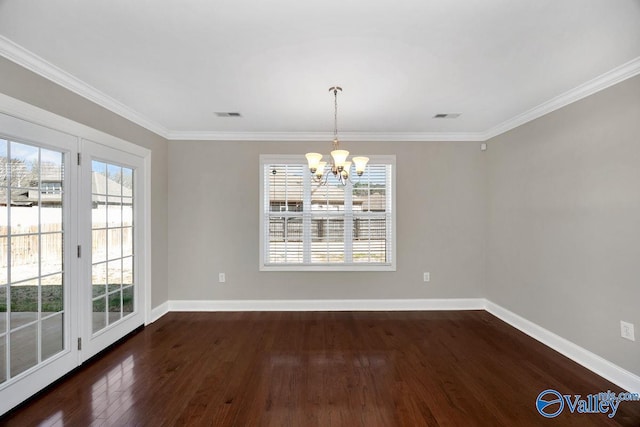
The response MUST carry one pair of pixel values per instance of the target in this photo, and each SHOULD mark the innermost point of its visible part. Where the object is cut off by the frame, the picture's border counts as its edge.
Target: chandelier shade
(339, 158)
(361, 164)
(320, 171)
(314, 160)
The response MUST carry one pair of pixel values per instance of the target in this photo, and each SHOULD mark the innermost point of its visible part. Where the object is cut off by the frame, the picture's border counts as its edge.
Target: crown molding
(610, 78)
(320, 136)
(42, 67)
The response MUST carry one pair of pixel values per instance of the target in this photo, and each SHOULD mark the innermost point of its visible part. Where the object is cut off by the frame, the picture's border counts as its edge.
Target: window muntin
(307, 226)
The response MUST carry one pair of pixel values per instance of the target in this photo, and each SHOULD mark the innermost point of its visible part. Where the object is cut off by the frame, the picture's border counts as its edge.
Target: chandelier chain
(335, 118)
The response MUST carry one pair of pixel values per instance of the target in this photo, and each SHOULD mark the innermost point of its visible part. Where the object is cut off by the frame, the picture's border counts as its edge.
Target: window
(306, 225)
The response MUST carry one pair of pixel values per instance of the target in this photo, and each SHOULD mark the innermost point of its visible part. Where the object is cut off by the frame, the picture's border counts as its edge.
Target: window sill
(328, 267)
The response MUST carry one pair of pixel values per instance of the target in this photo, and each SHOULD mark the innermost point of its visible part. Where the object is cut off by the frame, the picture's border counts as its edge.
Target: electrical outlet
(222, 278)
(626, 330)
(427, 276)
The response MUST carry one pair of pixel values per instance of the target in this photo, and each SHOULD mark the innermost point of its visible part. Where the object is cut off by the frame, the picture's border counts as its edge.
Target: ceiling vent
(227, 114)
(447, 116)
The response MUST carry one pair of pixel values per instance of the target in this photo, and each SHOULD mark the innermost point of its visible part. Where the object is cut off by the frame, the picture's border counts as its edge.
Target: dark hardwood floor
(321, 369)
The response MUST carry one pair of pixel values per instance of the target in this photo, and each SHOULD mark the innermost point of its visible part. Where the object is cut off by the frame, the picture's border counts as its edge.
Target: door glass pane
(51, 255)
(50, 190)
(51, 213)
(127, 271)
(127, 301)
(114, 180)
(127, 241)
(127, 182)
(112, 242)
(4, 208)
(98, 211)
(24, 168)
(115, 305)
(4, 185)
(99, 319)
(3, 309)
(4, 249)
(24, 257)
(24, 349)
(24, 211)
(114, 275)
(127, 211)
(99, 245)
(3, 163)
(114, 212)
(127, 282)
(24, 303)
(99, 177)
(31, 255)
(3, 359)
(99, 279)
(52, 335)
(51, 170)
(51, 295)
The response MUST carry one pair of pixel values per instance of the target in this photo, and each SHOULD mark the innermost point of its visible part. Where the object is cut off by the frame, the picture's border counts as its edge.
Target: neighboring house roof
(49, 173)
(101, 185)
(292, 194)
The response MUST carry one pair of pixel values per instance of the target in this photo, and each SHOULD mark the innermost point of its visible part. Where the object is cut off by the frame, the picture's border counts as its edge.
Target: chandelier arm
(320, 182)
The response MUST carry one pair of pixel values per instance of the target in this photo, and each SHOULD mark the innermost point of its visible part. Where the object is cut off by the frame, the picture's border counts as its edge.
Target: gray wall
(564, 222)
(26, 86)
(214, 224)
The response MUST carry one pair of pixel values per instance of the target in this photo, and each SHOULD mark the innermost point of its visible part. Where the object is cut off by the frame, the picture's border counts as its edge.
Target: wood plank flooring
(464, 368)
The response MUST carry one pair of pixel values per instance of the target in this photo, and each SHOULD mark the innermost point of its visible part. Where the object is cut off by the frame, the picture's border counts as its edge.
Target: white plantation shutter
(327, 221)
(285, 215)
(308, 226)
(372, 211)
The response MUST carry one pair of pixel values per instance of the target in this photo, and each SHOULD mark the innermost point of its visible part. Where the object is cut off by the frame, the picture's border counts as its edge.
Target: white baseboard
(617, 375)
(614, 373)
(159, 311)
(329, 305)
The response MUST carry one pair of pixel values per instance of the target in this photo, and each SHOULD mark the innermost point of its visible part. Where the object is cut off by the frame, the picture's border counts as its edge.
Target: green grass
(25, 299)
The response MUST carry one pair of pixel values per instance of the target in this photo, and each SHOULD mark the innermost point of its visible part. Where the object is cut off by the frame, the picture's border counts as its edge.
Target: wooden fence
(25, 248)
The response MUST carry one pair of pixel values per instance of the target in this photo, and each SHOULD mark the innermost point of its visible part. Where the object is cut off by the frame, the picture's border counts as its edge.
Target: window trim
(263, 205)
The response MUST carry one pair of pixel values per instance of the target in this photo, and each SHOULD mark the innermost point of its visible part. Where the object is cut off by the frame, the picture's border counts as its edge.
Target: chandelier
(340, 166)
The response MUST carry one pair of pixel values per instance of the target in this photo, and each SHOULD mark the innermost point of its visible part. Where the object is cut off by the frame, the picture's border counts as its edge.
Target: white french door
(112, 218)
(72, 251)
(37, 270)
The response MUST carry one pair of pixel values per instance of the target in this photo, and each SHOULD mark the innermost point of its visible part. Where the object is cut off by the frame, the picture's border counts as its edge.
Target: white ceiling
(170, 65)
